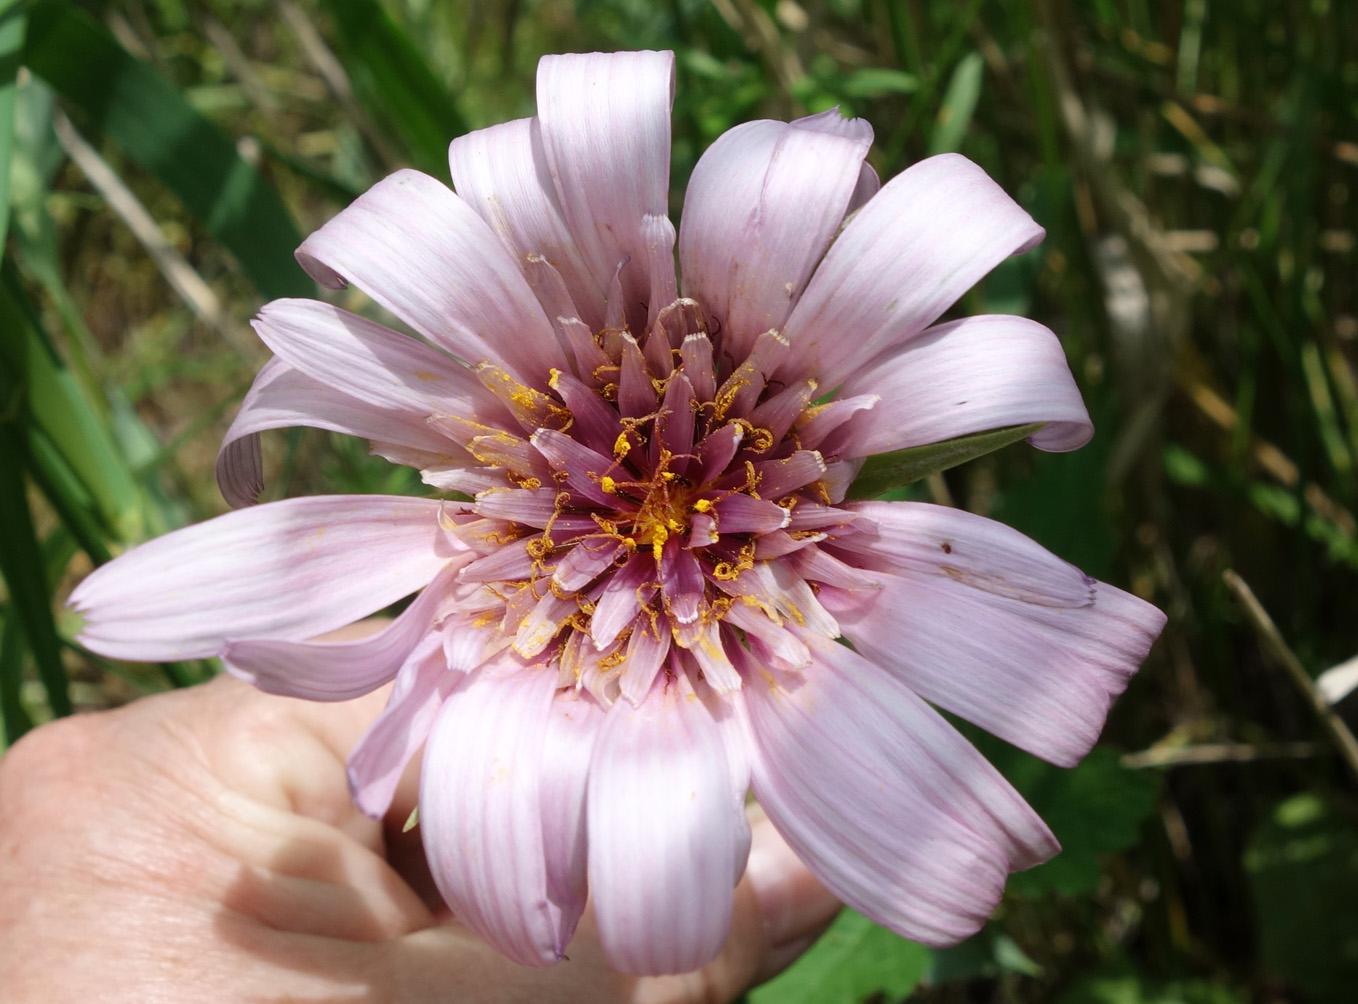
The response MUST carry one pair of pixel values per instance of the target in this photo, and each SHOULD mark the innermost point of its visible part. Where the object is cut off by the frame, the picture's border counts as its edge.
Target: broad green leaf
(12, 24)
(1303, 870)
(21, 565)
(55, 403)
(853, 960)
(155, 126)
(395, 82)
(886, 471)
(959, 103)
(1094, 809)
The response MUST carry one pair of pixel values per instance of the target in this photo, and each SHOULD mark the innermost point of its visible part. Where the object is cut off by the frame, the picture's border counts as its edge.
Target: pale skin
(200, 845)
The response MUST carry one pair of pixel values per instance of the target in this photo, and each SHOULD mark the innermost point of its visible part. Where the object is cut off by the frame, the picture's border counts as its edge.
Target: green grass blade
(959, 104)
(13, 716)
(12, 25)
(68, 496)
(21, 565)
(56, 405)
(886, 471)
(394, 81)
(156, 127)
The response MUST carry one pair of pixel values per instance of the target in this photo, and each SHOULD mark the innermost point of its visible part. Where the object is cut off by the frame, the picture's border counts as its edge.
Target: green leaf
(1094, 809)
(959, 103)
(156, 127)
(853, 960)
(53, 400)
(876, 81)
(886, 471)
(12, 25)
(1303, 871)
(394, 81)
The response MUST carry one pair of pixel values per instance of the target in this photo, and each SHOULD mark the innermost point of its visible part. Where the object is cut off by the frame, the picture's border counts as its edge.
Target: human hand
(201, 845)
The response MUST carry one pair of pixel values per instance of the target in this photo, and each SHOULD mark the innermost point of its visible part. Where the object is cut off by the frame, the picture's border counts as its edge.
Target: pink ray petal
(379, 759)
(502, 173)
(778, 477)
(482, 813)
(372, 363)
(509, 562)
(743, 514)
(716, 451)
(596, 422)
(636, 393)
(1009, 637)
(584, 468)
(706, 644)
(572, 726)
(290, 569)
(658, 238)
(530, 506)
(961, 546)
(784, 648)
(778, 413)
(761, 207)
(676, 423)
(695, 351)
(283, 398)
(895, 812)
(816, 424)
(605, 127)
(647, 647)
(339, 670)
(585, 562)
(921, 242)
(424, 254)
(681, 581)
(664, 828)
(967, 376)
(543, 624)
(868, 186)
(622, 598)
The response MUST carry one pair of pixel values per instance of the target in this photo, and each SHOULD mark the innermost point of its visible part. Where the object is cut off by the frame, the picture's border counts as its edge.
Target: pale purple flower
(638, 617)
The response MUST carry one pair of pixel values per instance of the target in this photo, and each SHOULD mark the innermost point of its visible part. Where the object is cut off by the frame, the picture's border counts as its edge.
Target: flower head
(635, 618)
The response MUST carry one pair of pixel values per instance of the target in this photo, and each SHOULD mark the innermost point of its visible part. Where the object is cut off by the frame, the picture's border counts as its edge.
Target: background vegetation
(1196, 167)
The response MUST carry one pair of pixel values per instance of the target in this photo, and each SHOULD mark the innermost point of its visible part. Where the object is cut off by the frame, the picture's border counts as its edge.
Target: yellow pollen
(621, 446)
(608, 485)
(702, 505)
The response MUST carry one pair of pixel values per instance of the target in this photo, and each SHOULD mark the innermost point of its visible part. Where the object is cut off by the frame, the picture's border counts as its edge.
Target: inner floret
(645, 510)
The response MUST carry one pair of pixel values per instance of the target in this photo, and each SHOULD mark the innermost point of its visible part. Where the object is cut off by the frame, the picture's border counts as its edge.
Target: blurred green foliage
(1196, 167)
